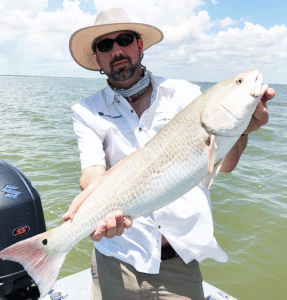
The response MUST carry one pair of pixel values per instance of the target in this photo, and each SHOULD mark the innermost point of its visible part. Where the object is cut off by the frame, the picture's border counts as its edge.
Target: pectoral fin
(211, 154)
(208, 179)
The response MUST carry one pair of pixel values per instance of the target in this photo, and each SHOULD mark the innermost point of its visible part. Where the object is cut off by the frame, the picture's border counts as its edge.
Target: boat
(78, 285)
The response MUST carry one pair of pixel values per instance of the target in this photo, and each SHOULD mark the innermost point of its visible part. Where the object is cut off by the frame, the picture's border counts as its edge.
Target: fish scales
(155, 172)
(146, 178)
(188, 150)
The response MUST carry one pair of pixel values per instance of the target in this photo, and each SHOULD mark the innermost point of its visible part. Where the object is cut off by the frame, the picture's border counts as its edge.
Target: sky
(204, 40)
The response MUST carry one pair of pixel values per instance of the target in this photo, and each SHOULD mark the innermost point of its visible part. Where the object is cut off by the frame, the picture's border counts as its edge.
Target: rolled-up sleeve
(89, 142)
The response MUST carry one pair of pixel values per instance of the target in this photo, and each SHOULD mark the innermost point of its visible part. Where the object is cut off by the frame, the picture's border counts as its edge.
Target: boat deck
(77, 287)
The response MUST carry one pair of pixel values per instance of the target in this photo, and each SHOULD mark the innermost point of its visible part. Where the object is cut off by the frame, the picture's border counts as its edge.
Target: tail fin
(40, 264)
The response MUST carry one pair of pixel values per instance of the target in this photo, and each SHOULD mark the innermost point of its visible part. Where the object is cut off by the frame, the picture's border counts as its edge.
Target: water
(249, 205)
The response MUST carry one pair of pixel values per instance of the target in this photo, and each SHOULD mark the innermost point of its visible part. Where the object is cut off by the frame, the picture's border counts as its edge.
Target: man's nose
(117, 49)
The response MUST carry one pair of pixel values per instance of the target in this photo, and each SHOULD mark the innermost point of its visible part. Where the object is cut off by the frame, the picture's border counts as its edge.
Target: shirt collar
(109, 95)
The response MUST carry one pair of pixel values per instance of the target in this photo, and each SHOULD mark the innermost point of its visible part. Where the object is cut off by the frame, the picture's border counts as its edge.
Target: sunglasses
(107, 45)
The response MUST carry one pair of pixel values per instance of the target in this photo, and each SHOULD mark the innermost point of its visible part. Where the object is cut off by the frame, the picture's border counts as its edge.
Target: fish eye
(239, 81)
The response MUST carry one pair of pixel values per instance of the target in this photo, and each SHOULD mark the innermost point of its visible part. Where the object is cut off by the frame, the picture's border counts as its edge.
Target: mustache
(119, 58)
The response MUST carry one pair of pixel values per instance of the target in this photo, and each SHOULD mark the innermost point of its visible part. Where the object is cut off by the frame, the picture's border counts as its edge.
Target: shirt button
(132, 110)
(158, 226)
(140, 129)
(118, 101)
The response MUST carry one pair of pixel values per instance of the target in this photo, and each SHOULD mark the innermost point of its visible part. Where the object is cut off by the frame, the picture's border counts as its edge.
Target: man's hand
(113, 225)
(260, 115)
(259, 118)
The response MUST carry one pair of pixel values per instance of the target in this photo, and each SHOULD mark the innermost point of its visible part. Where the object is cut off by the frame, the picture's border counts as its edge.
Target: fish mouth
(256, 91)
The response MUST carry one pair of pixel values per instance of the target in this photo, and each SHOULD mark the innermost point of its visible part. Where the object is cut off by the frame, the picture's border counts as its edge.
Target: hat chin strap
(133, 93)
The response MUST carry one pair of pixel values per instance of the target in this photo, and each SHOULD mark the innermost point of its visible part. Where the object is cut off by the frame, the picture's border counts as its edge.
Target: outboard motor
(21, 217)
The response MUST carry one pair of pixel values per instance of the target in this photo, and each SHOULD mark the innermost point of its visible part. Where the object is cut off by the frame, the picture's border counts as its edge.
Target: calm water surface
(249, 205)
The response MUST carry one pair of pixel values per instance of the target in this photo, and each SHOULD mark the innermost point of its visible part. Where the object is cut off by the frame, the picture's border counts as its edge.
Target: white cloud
(227, 52)
(190, 28)
(37, 38)
(50, 31)
(227, 22)
(251, 41)
(155, 12)
(24, 5)
(177, 19)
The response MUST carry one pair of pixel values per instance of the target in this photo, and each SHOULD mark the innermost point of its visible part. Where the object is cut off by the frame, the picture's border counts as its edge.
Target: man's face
(121, 62)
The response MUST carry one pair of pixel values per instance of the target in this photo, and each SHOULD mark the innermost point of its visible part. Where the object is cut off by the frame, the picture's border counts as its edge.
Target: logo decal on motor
(21, 230)
(10, 191)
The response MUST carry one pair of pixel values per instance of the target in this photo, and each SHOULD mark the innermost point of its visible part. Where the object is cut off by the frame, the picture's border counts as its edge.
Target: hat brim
(81, 40)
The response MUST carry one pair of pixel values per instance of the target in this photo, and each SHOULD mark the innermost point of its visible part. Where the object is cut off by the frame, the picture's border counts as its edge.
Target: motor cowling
(21, 217)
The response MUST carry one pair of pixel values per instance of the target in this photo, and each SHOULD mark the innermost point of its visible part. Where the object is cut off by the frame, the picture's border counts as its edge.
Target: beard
(127, 71)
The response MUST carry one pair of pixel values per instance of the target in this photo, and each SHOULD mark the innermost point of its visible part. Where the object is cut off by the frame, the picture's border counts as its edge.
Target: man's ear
(97, 59)
(140, 43)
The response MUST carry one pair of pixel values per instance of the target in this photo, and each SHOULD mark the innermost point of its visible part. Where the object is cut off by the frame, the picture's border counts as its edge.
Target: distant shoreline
(48, 76)
(41, 76)
(85, 78)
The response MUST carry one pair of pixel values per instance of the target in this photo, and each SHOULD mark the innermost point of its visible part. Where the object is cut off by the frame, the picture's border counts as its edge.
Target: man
(158, 256)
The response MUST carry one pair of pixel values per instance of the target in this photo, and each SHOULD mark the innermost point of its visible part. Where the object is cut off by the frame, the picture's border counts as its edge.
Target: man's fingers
(260, 116)
(268, 95)
(261, 113)
(113, 225)
(77, 202)
(111, 222)
(127, 222)
(99, 233)
(120, 227)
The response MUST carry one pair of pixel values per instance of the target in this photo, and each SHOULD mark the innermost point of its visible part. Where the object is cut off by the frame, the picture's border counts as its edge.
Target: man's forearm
(90, 174)
(232, 158)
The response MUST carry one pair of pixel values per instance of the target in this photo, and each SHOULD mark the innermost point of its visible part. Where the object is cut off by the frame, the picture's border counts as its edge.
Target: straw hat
(107, 21)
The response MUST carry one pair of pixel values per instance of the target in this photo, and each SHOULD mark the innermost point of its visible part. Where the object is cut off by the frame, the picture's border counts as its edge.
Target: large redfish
(187, 151)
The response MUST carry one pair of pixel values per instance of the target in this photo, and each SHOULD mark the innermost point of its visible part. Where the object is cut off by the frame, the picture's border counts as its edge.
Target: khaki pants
(116, 280)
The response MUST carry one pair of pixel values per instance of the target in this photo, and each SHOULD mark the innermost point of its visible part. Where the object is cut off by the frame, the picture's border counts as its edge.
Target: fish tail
(43, 266)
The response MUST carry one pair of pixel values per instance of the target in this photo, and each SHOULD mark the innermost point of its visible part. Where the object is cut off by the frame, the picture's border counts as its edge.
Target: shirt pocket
(118, 139)
(112, 124)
